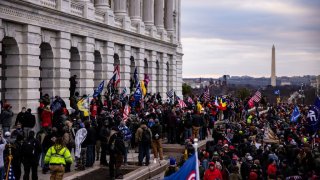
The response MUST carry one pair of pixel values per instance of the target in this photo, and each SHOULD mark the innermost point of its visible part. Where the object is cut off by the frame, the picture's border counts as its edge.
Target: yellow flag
(143, 88)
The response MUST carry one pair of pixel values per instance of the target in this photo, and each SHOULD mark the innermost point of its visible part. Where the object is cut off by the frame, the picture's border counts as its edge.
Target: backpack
(29, 148)
(118, 144)
(146, 136)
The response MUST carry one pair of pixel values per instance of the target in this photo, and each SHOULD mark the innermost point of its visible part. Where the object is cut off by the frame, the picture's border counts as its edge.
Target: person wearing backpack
(143, 138)
(117, 151)
(156, 130)
(31, 150)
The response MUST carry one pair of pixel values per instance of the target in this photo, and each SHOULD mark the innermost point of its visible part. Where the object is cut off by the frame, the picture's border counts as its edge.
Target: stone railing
(118, 22)
(49, 3)
(77, 9)
(81, 9)
(99, 16)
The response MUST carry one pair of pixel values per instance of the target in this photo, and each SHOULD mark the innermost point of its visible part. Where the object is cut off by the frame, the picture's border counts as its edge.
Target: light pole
(195, 145)
(301, 92)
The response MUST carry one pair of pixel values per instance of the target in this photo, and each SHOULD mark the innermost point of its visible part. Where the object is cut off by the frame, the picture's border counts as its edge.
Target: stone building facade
(44, 42)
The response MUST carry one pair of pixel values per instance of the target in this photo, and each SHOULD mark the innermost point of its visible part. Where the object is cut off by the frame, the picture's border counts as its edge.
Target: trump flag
(187, 171)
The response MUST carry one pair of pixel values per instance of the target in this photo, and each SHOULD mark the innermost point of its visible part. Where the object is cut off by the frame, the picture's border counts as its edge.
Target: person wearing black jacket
(21, 116)
(90, 142)
(196, 119)
(103, 134)
(29, 122)
(187, 126)
(117, 151)
(17, 158)
(157, 140)
(30, 156)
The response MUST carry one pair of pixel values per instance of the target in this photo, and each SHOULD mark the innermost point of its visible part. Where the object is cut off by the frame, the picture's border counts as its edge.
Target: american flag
(206, 95)
(126, 112)
(170, 93)
(116, 76)
(10, 175)
(181, 103)
(255, 98)
(190, 100)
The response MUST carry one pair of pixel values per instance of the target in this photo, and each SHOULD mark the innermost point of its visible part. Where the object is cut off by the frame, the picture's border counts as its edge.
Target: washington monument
(273, 67)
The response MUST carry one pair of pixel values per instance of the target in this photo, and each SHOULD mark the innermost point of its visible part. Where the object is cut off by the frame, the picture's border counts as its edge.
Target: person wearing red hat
(212, 173)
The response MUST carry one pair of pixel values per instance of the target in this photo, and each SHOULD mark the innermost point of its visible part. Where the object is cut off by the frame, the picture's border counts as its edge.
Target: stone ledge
(146, 172)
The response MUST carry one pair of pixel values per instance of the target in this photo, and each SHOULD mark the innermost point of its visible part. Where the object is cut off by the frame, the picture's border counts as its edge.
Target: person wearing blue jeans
(143, 138)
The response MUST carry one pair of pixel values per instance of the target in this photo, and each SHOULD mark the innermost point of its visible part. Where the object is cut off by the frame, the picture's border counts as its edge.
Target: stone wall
(44, 42)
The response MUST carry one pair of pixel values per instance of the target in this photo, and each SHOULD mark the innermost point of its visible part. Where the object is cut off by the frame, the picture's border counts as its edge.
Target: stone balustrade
(77, 9)
(82, 7)
(49, 3)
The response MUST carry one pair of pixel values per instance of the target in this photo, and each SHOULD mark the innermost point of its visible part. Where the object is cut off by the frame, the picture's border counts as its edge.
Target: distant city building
(285, 83)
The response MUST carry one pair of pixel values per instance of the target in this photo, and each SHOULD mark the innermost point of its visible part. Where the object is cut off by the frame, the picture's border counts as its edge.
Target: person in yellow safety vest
(56, 157)
(81, 106)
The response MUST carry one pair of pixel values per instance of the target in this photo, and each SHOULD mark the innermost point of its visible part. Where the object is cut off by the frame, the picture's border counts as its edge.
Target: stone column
(62, 65)
(174, 72)
(104, 6)
(120, 7)
(169, 24)
(27, 84)
(101, 4)
(140, 63)
(108, 60)
(179, 75)
(163, 76)
(120, 11)
(135, 10)
(86, 50)
(159, 14)
(148, 12)
(152, 72)
(125, 67)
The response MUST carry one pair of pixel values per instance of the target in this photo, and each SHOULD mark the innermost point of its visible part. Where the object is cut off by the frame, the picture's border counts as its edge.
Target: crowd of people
(245, 144)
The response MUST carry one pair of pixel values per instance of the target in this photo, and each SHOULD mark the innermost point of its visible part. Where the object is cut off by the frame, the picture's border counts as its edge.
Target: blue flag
(295, 114)
(277, 92)
(313, 119)
(11, 174)
(137, 94)
(317, 102)
(187, 171)
(98, 90)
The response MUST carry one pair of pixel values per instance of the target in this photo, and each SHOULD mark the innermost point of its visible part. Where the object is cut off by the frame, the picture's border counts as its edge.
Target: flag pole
(195, 145)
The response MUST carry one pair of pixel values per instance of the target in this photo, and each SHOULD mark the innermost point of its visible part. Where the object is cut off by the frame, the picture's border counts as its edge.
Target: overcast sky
(235, 37)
